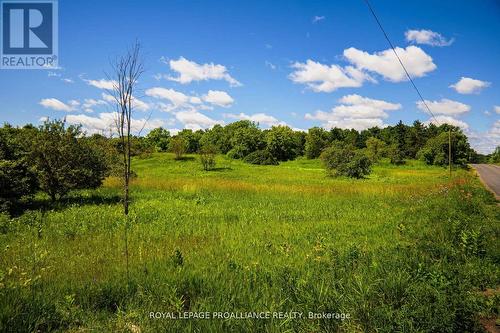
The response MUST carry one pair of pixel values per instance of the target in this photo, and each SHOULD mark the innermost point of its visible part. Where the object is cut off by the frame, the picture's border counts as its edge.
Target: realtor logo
(29, 34)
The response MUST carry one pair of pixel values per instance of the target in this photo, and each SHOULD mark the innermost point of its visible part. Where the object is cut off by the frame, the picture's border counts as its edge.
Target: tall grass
(405, 250)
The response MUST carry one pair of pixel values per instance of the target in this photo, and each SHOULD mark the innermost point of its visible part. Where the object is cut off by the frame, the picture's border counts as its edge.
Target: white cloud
(219, 98)
(191, 71)
(195, 120)
(108, 98)
(317, 19)
(260, 118)
(140, 105)
(356, 112)
(324, 78)
(89, 103)
(427, 37)
(182, 102)
(55, 104)
(444, 107)
(497, 109)
(67, 80)
(102, 83)
(106, 123)
(175, 97)
(466, 85)
(385, 63)
(440, 120)
(486, 142)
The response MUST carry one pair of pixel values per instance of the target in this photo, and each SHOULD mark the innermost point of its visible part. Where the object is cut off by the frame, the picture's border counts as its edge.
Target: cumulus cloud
(356, 112)
(139, 105)
(219, 98)
(427, 37)
(327, 78)
(385, 63)
(444, 107)
(324, 78)
(497, 109)
(260, 118)
(466, 85)
(440, 120)
(106, 123)
(175, 97)
(486, 142)
(189, 71)
(102, 83)
(181, 102)
(55, 104)
(195, 120)
(89, 103)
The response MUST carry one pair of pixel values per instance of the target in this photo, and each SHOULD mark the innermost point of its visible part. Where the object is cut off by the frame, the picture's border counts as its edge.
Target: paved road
(490, 176)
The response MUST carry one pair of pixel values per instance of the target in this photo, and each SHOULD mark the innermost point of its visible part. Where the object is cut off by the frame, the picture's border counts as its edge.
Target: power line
(411, 80)
(397, 56)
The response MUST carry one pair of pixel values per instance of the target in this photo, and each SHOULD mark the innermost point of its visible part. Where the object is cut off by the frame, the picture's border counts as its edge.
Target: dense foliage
(17, 179)
(495, 157)
(63, 162)
(261, 157)
(343, 159)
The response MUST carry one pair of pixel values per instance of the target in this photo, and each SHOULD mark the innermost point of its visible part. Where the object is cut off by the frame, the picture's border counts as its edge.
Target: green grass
(406, 249)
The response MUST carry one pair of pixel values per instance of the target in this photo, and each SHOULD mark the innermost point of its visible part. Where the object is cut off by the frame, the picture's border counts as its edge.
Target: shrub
(345, 160)
(207, 157)
(261, 157)
(375, 148)
(17, 180)
(395, 155)
(64, 162)
(495, 157)
(178, 146)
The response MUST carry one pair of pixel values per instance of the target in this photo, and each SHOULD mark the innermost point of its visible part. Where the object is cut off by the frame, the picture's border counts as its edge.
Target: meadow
(406, 249)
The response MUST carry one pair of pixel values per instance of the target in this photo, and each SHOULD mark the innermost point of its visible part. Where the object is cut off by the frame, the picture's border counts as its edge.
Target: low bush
(261, 157)
(345, 160)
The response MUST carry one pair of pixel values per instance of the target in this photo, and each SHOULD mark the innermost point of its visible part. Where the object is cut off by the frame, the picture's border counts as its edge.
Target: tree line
(56, 158)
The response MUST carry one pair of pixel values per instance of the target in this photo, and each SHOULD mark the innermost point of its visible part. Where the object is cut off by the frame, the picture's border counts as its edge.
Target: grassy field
(405, 250)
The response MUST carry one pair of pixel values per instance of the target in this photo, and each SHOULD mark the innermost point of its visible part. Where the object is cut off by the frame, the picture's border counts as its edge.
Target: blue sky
(300, 63)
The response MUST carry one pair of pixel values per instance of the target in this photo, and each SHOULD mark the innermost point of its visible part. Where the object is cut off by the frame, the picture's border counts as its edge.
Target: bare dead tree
(126, 71)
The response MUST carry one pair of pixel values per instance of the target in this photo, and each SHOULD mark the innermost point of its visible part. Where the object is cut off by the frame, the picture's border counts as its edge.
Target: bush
(17, 180)
(207, 157)
(395, 155)
(261, 157)
(178, 146)
(63, 162)
(345, 160)
(375, 148)
(495, 157)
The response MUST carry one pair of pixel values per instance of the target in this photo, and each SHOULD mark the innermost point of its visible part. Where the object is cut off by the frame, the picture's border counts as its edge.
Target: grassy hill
(406, 249)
